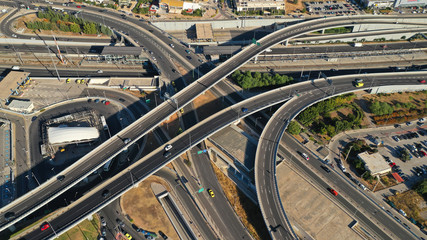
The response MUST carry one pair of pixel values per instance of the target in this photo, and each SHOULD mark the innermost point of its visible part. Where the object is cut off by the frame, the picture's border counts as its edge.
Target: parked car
(163, 235)
(120, 222)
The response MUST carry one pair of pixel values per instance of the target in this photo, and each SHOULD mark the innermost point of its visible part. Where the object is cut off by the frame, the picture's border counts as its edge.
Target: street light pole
(34, 176)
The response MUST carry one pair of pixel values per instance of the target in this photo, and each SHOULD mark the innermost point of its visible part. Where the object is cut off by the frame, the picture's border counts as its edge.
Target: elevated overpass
(140, 170)
(268, 146)
(52, 188)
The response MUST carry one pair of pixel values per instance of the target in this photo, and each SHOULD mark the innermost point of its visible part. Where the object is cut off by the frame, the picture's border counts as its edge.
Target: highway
(265, 161)
(117, 185)
(155, 160)
(114, 145)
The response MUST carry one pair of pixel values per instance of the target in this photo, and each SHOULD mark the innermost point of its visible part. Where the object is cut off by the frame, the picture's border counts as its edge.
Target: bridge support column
(255, 58)
(286, 42)
(323, 31)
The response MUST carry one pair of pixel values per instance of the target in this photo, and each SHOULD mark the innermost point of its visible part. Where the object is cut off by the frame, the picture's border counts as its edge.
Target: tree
(64, 27)
(294, 128)
(89, 28)
(421, 188)
(75, 28)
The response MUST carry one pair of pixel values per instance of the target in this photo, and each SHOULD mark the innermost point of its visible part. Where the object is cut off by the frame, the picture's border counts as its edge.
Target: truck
(358, 44)
(16, 67)
(104, 123)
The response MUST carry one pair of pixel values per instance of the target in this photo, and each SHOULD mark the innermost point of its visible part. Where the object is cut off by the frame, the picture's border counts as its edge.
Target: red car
(107, 102)
(423, 153)
(78, 6)
(45, 226)
(422, 81)
(333, 191)
(392, 164)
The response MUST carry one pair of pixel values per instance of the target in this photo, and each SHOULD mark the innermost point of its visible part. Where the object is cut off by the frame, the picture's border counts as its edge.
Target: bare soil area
(412, 203)
(249, 213)
(142, 206)
(206, 104)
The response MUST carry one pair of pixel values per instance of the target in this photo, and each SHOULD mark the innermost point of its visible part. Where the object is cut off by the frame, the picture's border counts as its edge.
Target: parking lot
(333, 8)
(411, 139)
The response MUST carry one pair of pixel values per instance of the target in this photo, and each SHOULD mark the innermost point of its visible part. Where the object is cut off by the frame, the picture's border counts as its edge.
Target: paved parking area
(43, 92)
(312, 213)
(390, 149)
(415, 136)
(333, 8)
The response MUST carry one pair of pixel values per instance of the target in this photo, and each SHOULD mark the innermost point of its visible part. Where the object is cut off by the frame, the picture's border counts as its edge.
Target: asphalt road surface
(135, 131)
(266, 157)
(183, 142)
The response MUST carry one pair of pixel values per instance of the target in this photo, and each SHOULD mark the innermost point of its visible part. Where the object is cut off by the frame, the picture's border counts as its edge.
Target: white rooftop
(375, 163)
(58, 135)
(19, 104)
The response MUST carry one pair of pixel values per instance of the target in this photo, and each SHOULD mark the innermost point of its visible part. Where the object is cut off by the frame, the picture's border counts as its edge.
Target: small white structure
(374, 163)
(21, 106)
(68, 135)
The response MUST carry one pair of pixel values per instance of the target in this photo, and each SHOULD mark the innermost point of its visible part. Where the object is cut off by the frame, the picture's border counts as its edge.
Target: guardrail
(207, 81)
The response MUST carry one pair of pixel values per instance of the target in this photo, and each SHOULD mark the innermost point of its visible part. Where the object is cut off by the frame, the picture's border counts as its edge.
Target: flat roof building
(204, 31)
(252, 5)
(375, 163)
(21, 106)
(410, 3)
(378, 3)
(12, 83)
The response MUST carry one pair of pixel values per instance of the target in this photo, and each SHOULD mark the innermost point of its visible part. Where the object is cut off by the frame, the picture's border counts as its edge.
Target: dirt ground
(206, 104)
(418, 98)
(141, 205)
(244, 207)
(413, 204)
(292, 8)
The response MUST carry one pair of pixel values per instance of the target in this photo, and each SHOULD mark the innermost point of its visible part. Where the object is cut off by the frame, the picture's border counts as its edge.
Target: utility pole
(54, 65)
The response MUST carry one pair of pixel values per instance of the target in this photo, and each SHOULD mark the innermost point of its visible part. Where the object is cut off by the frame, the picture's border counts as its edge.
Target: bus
(107, 166)
(104, 123)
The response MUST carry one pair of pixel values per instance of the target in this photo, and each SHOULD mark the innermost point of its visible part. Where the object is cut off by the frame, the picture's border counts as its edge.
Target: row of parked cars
(409, 135)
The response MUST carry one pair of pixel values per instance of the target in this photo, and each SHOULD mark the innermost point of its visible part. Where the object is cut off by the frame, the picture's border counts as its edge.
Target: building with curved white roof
(67, 135)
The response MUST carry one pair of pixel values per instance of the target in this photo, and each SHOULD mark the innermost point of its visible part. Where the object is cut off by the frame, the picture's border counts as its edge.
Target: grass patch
(410, 202)
(248, 212)
(86, 230)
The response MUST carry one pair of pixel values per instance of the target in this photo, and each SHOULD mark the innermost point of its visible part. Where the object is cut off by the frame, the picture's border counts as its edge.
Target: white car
(172, 46)
(99, 71)
(421, 119)
(126, 141)
(305, 156)
(342, 167)
(168, 147)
